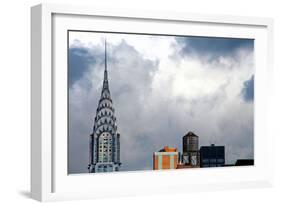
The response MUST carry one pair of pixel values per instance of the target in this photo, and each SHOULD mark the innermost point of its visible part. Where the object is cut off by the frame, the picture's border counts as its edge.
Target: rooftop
(168, 149)
(190, 134)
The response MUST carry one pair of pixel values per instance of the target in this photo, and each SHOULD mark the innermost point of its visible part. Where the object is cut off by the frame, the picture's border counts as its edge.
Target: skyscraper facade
(104, 141)
(212, 156)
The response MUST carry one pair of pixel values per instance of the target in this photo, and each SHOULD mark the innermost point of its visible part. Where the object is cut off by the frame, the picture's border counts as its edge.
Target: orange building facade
(166, 158)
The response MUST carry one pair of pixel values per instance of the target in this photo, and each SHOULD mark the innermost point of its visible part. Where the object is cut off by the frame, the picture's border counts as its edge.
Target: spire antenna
(105, 59)
(105, 80)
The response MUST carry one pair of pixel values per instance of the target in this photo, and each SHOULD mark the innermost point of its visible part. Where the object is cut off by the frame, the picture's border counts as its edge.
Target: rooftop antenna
(105, 59)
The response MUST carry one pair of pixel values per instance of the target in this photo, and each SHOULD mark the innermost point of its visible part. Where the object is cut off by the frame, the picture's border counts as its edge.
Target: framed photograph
(137, 102)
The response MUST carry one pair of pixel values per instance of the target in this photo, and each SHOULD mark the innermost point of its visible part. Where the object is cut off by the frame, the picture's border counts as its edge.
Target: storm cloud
(212, 50)
(248, 90)
(157, 98)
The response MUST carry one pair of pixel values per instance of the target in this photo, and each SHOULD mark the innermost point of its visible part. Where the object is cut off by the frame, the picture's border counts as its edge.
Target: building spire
(105, 141)
(105, 56)
(105, 79)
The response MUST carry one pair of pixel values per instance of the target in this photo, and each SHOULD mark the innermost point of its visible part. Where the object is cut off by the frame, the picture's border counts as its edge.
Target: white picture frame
(49, 179)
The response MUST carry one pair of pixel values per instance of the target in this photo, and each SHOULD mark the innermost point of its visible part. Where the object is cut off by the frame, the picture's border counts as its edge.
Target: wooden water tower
(190, 150)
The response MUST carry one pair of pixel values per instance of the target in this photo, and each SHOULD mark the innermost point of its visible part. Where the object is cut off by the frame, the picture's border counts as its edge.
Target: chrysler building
(104, 141)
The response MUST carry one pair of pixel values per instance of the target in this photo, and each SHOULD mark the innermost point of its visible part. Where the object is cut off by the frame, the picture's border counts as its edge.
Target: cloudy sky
(162, 87)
